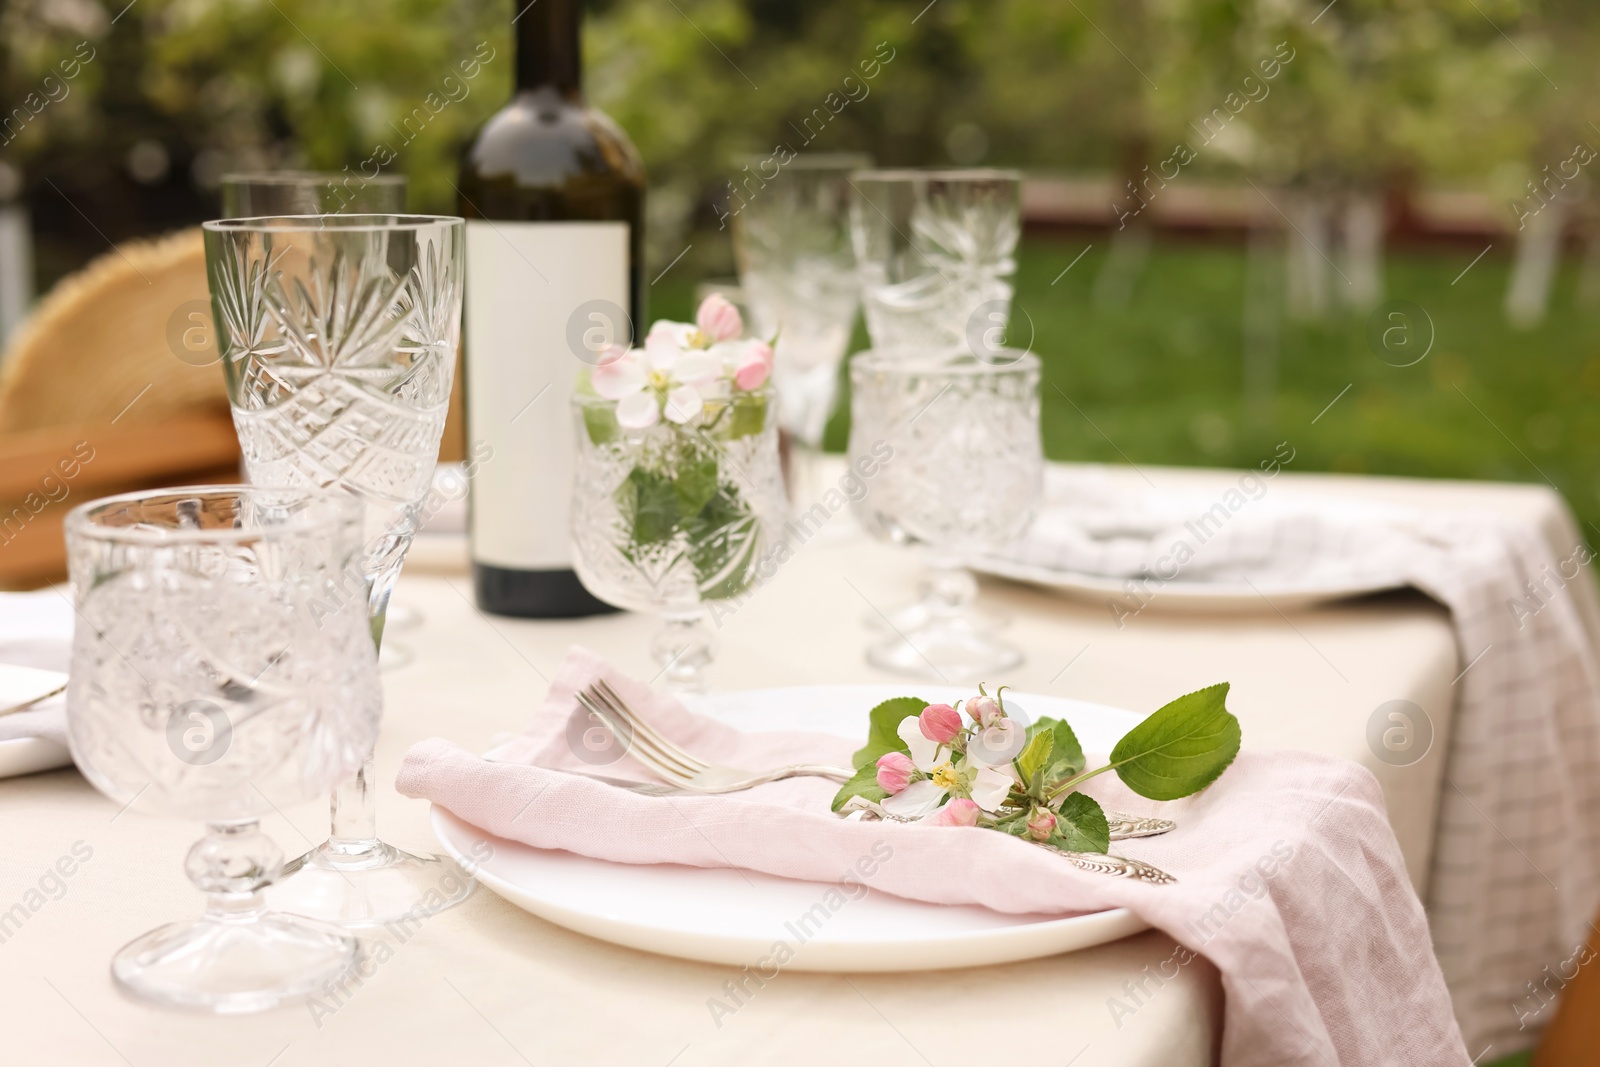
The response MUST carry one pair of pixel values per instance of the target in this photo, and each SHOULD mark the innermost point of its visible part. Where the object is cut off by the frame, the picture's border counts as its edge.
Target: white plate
(735, 918)
(25, 755)
(1210, 597)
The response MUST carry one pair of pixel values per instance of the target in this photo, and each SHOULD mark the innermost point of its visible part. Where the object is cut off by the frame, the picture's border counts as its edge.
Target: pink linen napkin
(1290, 880)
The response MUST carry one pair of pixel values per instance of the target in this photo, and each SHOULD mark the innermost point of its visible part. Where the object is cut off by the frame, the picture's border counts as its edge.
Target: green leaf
(600, 420)
(1081, 825)
(723, 545)
(696, 482)
(749, 416)
(1035, 754)
(1180, 749)
(1066, 754)
(864, 784)
(881, 724)
(650, 504)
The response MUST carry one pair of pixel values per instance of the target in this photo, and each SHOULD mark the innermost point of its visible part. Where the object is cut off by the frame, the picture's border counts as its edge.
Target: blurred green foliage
(1439, 88)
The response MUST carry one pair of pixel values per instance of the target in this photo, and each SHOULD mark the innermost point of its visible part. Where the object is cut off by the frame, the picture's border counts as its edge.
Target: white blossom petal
(989, 788)
(637, 411)
(924, 753)
(683, 403)
(617, 379)
(998, 744)
(915, 800)
(694, 367)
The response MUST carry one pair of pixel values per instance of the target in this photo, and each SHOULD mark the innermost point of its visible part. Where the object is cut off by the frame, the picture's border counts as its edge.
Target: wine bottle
(553, 194)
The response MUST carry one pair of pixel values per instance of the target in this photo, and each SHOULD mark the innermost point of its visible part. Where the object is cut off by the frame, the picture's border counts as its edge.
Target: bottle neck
(547, 46)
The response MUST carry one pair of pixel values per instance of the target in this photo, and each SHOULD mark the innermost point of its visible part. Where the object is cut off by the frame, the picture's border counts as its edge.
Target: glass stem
(353, 808)
(231, 865)
(948, 588)
(683, 649)
(354, 811)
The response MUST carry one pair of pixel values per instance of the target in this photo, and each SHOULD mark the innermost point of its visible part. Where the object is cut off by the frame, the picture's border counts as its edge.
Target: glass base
(235, 963)
(952, 651)
(371, 886)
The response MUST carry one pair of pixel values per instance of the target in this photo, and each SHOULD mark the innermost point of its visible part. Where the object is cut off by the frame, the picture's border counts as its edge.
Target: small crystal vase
(678, 519)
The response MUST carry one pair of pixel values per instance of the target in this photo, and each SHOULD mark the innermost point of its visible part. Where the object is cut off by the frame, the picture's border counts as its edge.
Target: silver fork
(690, 773)
(695, 775)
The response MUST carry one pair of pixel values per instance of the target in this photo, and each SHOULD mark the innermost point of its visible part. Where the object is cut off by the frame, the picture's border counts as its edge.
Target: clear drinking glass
(935, 251)
(254, 194)
(251, 194)
(965, 476)
(678, 520)
(219, 670)
(338, 336)
(791, 238)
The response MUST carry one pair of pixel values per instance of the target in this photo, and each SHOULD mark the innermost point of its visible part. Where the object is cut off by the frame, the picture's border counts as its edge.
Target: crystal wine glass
(678, 520)
(248, 194)
(339, 337)
(965, 478)
(217, 673)
(935, 251)
(253, 194)
(791, 238)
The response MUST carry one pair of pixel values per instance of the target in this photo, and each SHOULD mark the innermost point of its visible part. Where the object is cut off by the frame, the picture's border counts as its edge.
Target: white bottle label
(526, 282)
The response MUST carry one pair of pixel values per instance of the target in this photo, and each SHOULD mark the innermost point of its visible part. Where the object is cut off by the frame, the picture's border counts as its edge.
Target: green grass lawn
(1163, 378)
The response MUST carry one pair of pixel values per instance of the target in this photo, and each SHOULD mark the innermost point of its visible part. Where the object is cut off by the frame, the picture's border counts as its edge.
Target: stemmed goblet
(965, 477)
(217, 673)
(791, 239)
(679, 519)
(338, 336)
(935, 250)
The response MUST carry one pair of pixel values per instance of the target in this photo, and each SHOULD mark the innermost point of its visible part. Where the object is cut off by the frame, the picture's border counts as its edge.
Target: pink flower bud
(959, 812)
(754, 366)
(718, 319)
(894, 772)
(940, 723)
(1041, 824)
(985, 711)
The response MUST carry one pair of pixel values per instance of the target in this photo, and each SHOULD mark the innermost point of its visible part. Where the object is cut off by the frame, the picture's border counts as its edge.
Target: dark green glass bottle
(553, 194)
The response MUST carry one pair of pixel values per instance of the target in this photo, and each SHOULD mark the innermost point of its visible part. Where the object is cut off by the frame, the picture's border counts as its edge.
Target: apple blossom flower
(754, 367)
(662, 380)
(959, 812)
(1041, 824)
(985, 710)
(984, 785)
(939, 722)
(718, 319)
(894, 772)
(997, 744)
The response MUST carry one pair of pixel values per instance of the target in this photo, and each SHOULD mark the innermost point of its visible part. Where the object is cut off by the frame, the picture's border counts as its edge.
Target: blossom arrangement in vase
(678, 482)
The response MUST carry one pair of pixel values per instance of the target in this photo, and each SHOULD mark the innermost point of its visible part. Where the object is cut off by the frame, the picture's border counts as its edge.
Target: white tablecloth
(487, 983)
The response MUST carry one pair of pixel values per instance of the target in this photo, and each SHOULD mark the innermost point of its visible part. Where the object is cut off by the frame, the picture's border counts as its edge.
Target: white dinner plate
(26, 755)
(1234, 598)
(737, 917)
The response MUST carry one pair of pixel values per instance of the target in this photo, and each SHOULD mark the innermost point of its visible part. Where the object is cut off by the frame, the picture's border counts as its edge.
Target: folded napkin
(1520, 791)
(1290, 880)
(36, 631)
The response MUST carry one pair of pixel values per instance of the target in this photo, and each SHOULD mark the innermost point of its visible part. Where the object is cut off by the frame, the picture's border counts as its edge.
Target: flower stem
(1084, 777)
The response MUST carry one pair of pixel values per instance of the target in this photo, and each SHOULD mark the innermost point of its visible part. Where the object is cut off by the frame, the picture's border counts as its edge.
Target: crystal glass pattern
(221, 669)
(339, 336)
(965, 477)
(680, 521)
(791, 239)
(935, 251)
